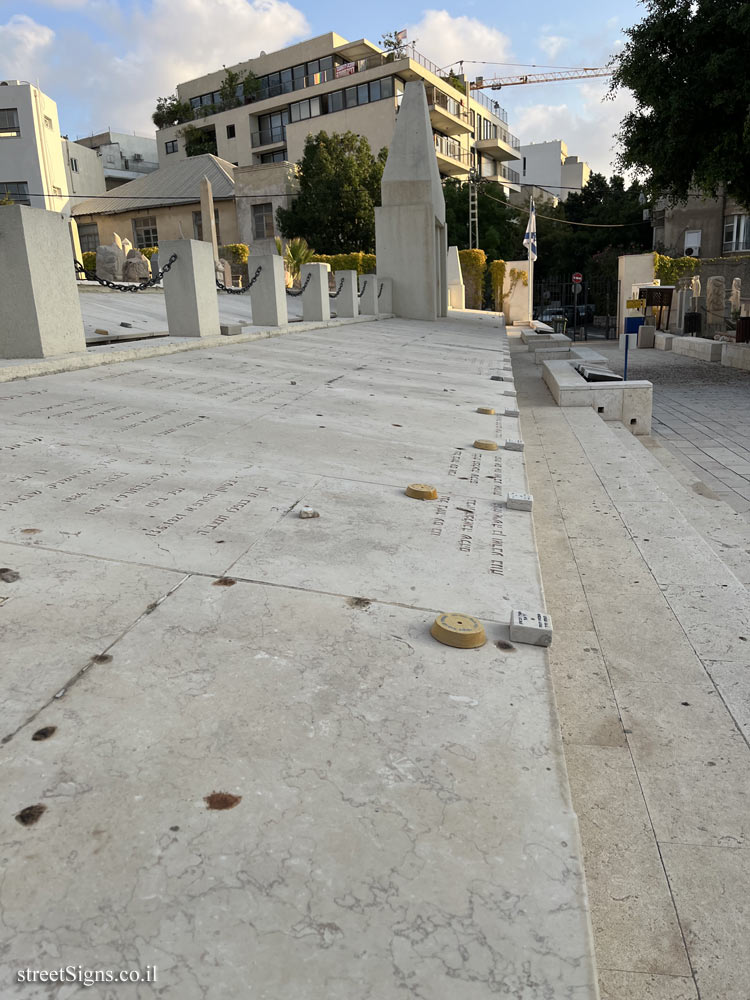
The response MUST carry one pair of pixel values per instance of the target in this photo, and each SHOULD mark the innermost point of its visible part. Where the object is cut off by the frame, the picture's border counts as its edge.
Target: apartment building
(334, 85)
(124, 156)
(38, 166)
(548, 165)
(701, 227)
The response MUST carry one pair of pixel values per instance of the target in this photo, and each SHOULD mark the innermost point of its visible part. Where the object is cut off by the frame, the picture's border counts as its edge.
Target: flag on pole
(401, 35)
(529, 240)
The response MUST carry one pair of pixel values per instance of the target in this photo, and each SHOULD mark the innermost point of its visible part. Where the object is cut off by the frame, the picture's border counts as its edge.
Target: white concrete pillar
(385, 296)
(75, 245)
(454, 277)
(267, 294)
(368, 295)
(40, 315)
(190, 289)
(316, 306)
(346, 302)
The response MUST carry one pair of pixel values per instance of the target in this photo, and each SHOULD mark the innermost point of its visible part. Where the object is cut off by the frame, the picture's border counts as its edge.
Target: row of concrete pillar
(41, 315)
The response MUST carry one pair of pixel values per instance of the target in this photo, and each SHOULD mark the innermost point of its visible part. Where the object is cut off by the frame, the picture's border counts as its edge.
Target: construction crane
(498, 82)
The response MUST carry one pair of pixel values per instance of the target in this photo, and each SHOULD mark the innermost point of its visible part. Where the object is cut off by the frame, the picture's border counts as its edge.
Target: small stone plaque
(230, 329)
(511, 413)
(514, 445)
(509, 392)
(533, 627)
(519, 501)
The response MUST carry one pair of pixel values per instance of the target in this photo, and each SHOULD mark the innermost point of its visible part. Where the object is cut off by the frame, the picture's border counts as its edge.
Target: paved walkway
(652, 680)
(701, 414)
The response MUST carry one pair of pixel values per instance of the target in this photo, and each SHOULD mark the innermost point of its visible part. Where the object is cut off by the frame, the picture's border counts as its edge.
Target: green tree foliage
(686, 62)
(392, 43)
(198, 140)
(171, 111)
(246, 84)
(499, 234)
(339, 188)
(295, 254)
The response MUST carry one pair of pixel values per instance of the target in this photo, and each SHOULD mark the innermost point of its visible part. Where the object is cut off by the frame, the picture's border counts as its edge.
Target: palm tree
(295, 254)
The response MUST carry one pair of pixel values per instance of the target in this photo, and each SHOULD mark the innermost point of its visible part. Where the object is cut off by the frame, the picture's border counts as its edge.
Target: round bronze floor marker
(421, 491)
(486, 445)
(458, 630)
(486, 409)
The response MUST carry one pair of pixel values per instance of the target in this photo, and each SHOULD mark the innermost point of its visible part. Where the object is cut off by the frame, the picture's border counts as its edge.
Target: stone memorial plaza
(341, 662)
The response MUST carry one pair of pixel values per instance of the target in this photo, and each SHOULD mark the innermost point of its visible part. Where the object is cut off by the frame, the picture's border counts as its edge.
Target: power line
(520, 212)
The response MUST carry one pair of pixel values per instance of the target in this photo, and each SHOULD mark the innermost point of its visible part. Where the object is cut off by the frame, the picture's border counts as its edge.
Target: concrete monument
(456, 289)
(735, 296)
(715, 290)
(410, 231)
(110, 261)
(41, 314)
(208, 218)
(137, 267)
(190, 290)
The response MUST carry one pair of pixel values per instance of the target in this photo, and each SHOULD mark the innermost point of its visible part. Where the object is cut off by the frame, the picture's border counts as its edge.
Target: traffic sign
(577, 278)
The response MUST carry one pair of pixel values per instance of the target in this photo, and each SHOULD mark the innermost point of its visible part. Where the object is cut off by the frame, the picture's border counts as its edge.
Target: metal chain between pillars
(289, 291)
(380, 290)
(240, 291)
(364, 286)
(154, 280)
(335, 295)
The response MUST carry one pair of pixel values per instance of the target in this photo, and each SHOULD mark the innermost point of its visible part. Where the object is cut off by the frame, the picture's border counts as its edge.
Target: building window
(278, 156)
(88, 235)
(74, 164)
(57, 192)
(171, 146)
(47, 121)
(263, 221)
(144, 232)
(9, 122)
(303, 110)
(230, 132)
(198, 226)
(524, 166)
(736, 233)
(272, 128)
(17, 191)
(692, 247)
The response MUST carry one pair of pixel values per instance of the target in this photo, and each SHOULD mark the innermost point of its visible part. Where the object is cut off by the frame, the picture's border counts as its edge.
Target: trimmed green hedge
(473, 266)
(362, 263)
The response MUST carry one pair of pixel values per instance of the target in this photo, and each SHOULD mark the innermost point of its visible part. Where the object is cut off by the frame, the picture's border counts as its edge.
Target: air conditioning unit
(137, 157)
(693, 251)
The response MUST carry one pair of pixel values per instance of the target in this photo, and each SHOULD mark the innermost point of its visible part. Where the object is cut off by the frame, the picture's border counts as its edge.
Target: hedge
(473, 266)
(362, 263)
(497, 283)
(236, 254)
(669, 270)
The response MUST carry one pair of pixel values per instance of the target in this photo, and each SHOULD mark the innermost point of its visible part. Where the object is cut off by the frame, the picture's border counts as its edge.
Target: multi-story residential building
(701, 227)
(124, 156)
(330, 84)
(548, 165)
(38, 166)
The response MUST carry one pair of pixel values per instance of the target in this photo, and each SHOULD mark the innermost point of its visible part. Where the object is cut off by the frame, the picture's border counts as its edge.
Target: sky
(106, 61)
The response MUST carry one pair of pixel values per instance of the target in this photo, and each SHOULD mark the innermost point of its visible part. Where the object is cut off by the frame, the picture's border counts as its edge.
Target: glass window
(278, 156)
(195, 102)
(362, 94)
(17, 191)
(386, 87)
(171, 146)
(326, 66)
(375, 90)
(144, 232)
(351, 97)
(9, 122)
(231, 132)
(286, 81)
(263, 221)
(736, 232)
(88, 236)
(399, 87)
(313, 67)
(314, 107)
(336, 101)
(74, 164)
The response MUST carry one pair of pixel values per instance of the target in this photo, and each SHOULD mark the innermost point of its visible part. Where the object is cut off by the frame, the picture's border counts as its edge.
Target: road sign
(635, 304)
(576, 289)
(577, 278)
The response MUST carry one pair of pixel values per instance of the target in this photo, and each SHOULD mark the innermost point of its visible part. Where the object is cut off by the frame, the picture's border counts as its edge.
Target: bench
(628, 402)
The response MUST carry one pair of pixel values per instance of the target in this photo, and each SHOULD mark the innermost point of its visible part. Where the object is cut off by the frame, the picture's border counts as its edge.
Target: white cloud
(551, 45)
(150, 50)
(22, 43)
(445, 39)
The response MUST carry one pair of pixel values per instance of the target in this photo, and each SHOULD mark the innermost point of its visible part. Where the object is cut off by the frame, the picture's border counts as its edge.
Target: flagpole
(531, 268)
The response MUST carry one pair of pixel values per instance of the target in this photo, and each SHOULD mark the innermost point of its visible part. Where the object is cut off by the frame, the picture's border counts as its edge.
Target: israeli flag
(529, 240)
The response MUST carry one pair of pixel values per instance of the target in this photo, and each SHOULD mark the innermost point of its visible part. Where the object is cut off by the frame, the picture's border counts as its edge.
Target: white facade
(548, 165)
(124, 156)
(37, 166)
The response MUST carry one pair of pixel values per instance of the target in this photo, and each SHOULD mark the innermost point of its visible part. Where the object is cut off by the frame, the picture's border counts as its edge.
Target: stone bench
(544, 341)
(628, 402)
(698, 347)
(572, 354)
(736, 356)
(663, 341)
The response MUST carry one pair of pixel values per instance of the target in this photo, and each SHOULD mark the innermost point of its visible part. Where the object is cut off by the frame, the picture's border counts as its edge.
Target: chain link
(289, 291)
(336, 293)
(362, 292)
(152, 281)
(380, 290)
(240, 291)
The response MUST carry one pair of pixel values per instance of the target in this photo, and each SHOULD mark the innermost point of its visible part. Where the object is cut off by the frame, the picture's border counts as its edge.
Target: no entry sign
(577, 278)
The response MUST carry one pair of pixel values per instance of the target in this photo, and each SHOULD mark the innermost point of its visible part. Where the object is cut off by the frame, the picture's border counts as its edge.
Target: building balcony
(505, 176)
(453, 161)
(447, 114)
(504, 147)
(268, 137)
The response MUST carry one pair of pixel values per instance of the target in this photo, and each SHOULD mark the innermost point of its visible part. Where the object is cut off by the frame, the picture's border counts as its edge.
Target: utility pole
(473, 211)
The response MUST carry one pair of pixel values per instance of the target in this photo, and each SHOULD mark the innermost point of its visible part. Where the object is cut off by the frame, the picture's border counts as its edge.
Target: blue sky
(105, 62)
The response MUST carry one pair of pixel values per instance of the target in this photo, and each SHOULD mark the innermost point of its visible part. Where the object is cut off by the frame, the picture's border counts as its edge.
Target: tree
(687, 66)
(198, 140)
(391, 42)
(500, 234)
(236, 88)
(171, 111)
(295, 254)
(339, 181)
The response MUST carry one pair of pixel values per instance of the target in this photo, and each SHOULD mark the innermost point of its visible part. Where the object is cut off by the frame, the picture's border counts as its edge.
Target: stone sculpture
(137, 267)
(735, 296)
(715, 292)
(110, 262)
(223, 272)
(695, 285)
(127, 246)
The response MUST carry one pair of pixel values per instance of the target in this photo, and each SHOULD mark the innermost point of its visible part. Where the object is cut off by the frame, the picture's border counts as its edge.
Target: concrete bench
(736, 356)
(698, 347)
(663, 341)
(628, 402)
(544, 341)
(572, 354)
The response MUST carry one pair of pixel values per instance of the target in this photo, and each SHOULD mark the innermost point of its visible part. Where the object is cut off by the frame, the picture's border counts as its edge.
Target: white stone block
(512, 413)
(533, 627)
(316, 305)
(368, 295)
(514, 445)
(190, 294)
(346, 302)
(268, 291)
(509, 392)
(385, 295)
(40, 316)
(519, 501)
